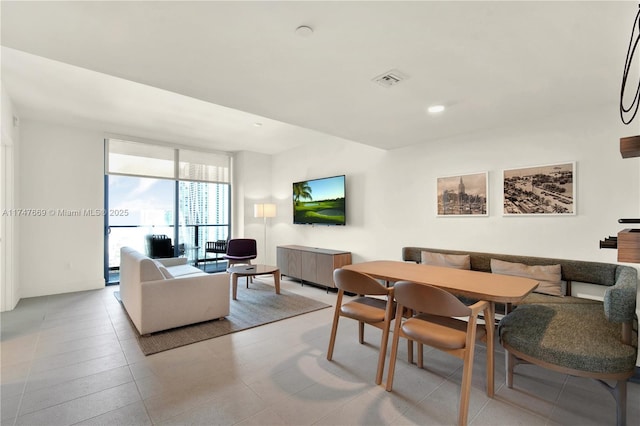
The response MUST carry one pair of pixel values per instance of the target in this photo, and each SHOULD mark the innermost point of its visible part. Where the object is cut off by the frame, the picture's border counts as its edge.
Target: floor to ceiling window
(164, 202)
(203, 212)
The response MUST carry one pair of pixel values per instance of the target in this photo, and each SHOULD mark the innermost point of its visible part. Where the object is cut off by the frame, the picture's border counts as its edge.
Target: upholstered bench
(579, 336)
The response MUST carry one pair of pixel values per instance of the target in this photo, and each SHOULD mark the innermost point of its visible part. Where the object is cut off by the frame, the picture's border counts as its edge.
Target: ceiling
(204, 73)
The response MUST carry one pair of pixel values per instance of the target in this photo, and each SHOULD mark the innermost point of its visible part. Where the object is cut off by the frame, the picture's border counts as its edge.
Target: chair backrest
(160, 246)
(429, 300)
(357, 282)
(242, 247)
(219, 246)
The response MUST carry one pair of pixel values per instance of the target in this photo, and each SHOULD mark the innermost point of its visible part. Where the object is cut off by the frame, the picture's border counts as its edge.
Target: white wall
(392, 195)
(367, 220)
(60, 168)
(252, 185)
(9, 143)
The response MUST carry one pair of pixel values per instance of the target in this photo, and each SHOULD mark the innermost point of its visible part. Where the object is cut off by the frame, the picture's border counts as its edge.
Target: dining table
(494, 288)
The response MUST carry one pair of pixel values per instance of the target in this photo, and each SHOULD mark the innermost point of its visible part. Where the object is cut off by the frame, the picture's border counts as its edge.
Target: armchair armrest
(620, 299)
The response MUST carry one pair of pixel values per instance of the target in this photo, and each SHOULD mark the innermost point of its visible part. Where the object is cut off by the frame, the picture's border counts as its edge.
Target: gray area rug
(256, 305)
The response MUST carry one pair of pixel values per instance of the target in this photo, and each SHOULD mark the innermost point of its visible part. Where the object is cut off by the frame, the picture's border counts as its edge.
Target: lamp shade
(264, 210)
(269, 210)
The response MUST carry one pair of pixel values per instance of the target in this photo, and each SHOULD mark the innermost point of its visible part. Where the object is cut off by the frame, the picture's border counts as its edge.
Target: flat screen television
(320, 201)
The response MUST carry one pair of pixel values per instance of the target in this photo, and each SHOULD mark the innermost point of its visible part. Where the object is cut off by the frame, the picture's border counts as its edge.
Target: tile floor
(73, 359)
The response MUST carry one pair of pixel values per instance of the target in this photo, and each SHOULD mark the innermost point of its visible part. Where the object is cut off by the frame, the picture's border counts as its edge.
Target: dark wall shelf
(628, 220)
(609, 243)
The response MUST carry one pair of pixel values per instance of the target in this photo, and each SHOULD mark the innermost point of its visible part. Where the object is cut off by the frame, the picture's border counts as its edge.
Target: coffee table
(252, 271)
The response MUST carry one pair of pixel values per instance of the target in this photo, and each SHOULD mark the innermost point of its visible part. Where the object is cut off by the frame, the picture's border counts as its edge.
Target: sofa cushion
(183, 271)
(163, 269)
(548, 276)
(165, 272)
(149, 270)
(457, 261)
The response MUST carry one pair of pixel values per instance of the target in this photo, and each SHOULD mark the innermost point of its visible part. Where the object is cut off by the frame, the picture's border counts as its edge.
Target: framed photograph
(540, 190)
(463, 195)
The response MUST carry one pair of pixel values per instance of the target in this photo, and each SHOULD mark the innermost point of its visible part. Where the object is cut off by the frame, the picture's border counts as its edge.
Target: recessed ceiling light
(257, 124)
(434, 109)
(304, 31)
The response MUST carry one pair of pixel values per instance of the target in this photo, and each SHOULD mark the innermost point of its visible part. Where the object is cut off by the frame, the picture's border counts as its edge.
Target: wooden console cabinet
(629, 246)
(311, 264)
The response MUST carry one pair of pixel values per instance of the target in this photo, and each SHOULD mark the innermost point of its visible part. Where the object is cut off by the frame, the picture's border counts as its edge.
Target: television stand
(311, 264)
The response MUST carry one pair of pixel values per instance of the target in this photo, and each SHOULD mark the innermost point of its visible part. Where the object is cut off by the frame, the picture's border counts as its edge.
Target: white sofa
(159, 294)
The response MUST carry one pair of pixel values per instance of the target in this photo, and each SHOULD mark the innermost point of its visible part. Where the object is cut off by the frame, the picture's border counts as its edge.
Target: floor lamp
(264, 211)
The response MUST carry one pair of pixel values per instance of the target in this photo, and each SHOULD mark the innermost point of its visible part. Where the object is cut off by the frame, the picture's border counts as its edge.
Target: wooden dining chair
(160, 246)
(433, 323)
(377, 312)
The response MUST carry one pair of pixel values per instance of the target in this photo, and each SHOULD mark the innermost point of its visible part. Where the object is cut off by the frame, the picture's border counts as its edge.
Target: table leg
(276, 280)
(490, 327)
(234, 285)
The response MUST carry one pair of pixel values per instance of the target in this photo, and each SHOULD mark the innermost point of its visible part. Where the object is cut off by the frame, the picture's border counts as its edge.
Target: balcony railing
(191, 240)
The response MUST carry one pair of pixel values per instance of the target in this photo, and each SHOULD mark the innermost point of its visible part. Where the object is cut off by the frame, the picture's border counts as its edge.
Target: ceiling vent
(390, 78)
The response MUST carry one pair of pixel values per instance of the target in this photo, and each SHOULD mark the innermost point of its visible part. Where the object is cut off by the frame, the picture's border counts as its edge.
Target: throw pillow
(548, 276)
(457, 261)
